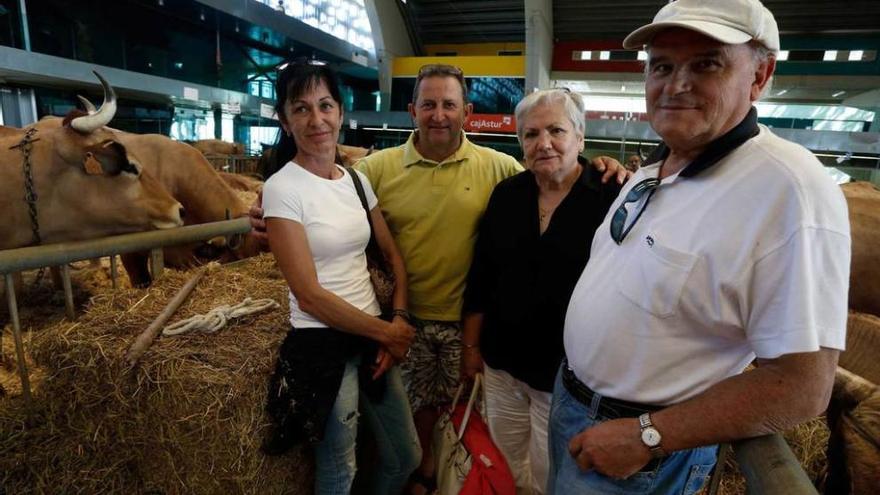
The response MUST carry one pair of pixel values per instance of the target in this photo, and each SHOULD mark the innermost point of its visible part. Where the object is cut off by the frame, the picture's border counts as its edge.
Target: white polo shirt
(749, 257)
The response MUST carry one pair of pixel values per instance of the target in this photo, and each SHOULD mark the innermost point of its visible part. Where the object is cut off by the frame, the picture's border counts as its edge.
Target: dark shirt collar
(588, 175)
(718, 149)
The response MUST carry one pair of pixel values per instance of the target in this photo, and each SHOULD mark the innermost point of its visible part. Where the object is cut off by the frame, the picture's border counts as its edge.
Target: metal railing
(60, 254)
(770, 467)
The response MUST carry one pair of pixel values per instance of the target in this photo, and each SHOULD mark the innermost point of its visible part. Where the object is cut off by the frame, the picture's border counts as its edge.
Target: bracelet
(403, 314)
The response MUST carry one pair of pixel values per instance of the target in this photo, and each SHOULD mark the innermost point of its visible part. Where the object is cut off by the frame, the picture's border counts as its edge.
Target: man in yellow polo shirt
(432, 191)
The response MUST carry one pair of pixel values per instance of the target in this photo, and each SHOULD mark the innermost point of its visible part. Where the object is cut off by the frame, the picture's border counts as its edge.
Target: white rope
(217, 318)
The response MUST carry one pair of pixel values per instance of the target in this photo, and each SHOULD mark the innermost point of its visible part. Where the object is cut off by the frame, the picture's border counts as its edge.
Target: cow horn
(87, 105)
(102, 116)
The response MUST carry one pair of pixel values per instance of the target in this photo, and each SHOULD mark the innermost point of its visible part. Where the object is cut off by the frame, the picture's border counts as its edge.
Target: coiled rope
(217, 318)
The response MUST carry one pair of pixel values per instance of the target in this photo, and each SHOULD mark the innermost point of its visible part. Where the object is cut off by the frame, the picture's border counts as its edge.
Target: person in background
(534, 241)
(633, 162)
(338, 347)
(730, 245)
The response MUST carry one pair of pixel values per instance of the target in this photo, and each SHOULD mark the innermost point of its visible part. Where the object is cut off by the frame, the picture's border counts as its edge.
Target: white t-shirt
(336, 228)
(749, 257)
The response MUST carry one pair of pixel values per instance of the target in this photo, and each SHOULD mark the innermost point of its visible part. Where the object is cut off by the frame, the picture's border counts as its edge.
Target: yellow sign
(476, 66)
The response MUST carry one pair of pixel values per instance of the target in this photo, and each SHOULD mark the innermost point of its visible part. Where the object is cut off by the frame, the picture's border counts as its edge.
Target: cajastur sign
(488, 122)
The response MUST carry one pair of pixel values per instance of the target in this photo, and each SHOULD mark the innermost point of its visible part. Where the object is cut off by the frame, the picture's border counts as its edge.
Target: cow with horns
(77, 180)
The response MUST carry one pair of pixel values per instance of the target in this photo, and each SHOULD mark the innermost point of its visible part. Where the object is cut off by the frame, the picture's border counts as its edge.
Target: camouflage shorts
(431, 372)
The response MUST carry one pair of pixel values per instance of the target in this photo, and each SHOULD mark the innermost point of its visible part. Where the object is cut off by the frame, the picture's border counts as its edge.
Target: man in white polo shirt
(730, 245)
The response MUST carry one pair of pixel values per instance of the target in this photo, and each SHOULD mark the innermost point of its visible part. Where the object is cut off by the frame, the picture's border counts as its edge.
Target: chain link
(30, 192)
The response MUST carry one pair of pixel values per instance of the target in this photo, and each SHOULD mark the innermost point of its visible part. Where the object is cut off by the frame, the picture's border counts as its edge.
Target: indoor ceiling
(483, 21)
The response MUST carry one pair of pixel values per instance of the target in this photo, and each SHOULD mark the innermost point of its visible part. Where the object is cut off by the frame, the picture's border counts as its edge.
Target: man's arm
(777, 395)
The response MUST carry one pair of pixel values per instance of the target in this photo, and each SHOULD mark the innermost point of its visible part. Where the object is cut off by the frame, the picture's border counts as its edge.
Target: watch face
(651, 437)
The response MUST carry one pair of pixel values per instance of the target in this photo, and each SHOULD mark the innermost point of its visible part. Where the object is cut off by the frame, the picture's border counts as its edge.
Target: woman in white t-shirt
(338, 350)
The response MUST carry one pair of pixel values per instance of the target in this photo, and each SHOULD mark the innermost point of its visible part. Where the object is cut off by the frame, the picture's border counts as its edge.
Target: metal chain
(30, 192)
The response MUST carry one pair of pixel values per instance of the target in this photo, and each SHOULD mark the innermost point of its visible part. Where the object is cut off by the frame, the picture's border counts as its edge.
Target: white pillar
(539, 43)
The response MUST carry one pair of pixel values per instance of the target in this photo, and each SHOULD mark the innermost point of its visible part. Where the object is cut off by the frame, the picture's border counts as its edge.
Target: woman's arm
(289, 244)
(392, 256)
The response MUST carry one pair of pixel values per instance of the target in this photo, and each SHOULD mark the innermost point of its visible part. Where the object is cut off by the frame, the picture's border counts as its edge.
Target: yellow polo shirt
(433, 209)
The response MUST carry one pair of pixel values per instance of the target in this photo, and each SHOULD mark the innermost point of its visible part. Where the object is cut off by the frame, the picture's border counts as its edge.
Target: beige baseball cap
(729, 21)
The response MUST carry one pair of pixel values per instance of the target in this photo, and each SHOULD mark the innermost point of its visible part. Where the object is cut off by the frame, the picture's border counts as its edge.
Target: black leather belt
(608, 407)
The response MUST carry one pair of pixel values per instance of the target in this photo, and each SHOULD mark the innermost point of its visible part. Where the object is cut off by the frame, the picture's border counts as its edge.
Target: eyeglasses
(618, 221)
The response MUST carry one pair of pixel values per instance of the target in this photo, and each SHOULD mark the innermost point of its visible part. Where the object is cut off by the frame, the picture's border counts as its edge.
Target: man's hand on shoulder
(613, 448)
(611, 169)
(258, 225)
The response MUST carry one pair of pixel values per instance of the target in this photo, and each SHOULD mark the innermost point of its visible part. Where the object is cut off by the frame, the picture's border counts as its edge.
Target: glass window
(344, 19)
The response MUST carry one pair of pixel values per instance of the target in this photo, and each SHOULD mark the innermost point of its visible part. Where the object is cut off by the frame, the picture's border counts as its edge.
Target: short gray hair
(572, 103)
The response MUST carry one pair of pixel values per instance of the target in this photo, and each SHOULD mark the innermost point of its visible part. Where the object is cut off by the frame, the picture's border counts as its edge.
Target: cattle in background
(863, 200)
(187, 175)
(86, 181)
(206, 197)
(217, 147)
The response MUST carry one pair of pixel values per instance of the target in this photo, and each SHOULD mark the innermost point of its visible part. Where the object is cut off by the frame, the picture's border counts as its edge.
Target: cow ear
(128, 164)
(108, 158)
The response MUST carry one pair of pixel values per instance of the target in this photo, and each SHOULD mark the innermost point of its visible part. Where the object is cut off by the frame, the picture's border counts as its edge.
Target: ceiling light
(856, 55)
(623, 88)
(604, 55)
(839, 93)
(830, 56)
(782, 56)
(643, 55)
(782, 92)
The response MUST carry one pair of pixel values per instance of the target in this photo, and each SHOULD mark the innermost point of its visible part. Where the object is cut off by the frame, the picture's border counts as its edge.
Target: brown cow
(862, 355)
(241, 182)
(206, 197)
(863, 200)
(86, 181)
(854, 445)
(190, 179)
(218, 147)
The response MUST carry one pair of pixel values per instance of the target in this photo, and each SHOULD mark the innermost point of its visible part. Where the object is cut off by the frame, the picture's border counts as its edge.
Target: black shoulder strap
(359, 187)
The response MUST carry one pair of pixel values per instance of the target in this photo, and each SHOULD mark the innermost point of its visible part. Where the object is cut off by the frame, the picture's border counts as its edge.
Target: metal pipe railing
(28, 258)
(770, 467)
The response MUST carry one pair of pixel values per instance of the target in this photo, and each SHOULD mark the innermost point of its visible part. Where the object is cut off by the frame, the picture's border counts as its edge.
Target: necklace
(543, 214)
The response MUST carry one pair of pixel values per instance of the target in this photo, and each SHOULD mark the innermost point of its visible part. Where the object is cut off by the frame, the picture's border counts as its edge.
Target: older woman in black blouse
(533, 244)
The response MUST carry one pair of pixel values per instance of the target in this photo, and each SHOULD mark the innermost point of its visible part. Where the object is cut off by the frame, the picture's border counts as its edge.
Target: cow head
(96, 180)
(96, 187)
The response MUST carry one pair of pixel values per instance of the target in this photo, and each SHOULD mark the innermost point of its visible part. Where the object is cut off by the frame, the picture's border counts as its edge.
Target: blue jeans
(390, 419)
(683, 472)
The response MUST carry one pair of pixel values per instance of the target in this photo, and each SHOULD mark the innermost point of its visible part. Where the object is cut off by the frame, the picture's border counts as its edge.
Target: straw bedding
(188, 419)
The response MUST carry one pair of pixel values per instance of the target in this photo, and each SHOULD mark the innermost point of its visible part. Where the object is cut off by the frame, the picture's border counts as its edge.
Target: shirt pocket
(654, 277)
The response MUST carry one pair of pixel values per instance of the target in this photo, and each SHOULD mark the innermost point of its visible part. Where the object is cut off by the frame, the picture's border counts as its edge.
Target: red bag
(489, 473)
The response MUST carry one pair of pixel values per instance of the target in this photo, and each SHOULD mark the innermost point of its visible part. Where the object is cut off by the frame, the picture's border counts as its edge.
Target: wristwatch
(650, 436)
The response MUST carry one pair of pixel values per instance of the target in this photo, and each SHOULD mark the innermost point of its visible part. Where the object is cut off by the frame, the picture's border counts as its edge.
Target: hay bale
(188, 419)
